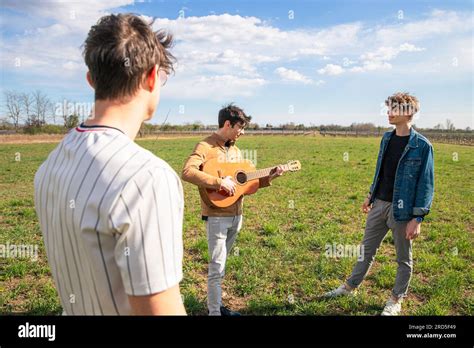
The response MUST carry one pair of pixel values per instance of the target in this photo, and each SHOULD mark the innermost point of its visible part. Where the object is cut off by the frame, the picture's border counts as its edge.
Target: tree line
(35, 112)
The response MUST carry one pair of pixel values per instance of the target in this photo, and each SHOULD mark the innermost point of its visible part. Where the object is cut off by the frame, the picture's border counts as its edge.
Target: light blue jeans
(221, 235)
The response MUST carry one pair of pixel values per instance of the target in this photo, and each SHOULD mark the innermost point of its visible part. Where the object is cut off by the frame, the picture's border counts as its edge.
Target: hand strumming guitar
(228, 185)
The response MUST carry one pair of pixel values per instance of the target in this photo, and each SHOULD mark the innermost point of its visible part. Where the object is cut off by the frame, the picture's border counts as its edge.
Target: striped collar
(90, 128)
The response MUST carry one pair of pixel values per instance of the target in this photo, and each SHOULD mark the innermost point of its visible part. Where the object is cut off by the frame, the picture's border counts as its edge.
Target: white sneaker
(392, 307)
(340, 291)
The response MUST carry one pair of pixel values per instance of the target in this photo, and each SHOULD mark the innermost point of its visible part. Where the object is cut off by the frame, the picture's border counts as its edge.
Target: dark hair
(120, 49)
(234, 114)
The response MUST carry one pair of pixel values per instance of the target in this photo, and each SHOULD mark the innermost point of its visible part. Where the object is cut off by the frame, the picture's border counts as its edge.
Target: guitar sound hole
(241, 178)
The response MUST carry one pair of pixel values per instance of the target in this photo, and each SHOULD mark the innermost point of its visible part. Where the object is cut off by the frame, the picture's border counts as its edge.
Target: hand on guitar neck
(277, 171)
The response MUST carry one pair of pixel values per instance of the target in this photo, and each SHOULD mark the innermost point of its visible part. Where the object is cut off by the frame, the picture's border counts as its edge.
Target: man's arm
(148, 217)
(425, 186)
(366, 206)
(192, 173)
(167, 302)
(424, 194)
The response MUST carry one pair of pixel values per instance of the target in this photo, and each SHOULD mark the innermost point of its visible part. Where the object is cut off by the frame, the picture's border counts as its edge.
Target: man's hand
(366, 205)
(276, 172)
(413, 229)
(228, 185)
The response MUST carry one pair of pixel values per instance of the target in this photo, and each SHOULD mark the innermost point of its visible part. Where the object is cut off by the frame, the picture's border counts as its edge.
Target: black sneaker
(226, 312)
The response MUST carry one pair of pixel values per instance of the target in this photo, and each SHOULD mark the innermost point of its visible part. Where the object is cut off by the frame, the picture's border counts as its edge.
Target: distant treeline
(35, 112)
(149, 129)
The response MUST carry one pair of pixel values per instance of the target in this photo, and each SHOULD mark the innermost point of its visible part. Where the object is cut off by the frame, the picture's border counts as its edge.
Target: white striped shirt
(111, 215)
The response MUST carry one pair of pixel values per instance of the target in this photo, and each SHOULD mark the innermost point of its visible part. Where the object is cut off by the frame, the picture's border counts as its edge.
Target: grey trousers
(221, 235)
(379, 221)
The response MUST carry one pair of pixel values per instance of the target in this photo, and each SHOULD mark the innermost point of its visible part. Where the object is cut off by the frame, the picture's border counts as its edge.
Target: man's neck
(126, 117)
(403, 129)
(220, 133)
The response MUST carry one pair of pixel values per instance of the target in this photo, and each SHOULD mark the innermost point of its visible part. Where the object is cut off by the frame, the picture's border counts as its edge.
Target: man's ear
(152, 78)
(89, 79)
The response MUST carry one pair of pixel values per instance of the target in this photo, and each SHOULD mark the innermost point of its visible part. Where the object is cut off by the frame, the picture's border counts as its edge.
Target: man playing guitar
(222, 223)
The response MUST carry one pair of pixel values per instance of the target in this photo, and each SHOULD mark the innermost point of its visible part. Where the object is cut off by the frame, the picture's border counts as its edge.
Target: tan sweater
(212, 147)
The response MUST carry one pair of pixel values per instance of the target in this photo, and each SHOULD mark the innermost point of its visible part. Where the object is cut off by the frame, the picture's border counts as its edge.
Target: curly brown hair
(120, 49)
(403, 103)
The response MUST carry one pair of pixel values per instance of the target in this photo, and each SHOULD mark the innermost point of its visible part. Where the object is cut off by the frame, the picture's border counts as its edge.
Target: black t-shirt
(394, 151)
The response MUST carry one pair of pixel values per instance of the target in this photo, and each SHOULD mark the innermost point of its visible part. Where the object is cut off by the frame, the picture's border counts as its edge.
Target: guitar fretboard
(261, 173)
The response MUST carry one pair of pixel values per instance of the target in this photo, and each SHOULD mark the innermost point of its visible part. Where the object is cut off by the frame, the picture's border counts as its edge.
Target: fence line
(461, 138)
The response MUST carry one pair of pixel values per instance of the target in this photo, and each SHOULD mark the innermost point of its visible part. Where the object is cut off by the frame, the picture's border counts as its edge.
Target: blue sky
(311, 62)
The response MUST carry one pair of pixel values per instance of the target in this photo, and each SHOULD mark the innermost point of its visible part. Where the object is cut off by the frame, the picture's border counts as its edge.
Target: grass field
(280, 266)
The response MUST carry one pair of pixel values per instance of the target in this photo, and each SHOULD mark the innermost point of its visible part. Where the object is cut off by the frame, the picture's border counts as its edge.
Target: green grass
(280, 267)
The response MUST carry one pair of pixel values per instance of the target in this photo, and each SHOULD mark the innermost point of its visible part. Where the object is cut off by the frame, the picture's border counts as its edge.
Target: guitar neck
(261, 173)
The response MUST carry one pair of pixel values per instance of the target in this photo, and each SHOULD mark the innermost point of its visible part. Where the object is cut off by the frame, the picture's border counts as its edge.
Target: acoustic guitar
(244, 174)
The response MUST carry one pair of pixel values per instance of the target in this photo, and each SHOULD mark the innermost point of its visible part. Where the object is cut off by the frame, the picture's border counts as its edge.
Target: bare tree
(27, 105)
(41, 105)
(450, 125)
(63, 111)
(51, 109)
(13, 104)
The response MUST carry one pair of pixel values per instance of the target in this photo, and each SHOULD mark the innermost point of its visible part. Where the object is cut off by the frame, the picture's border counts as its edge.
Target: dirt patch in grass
(30, 139)
(18, 300)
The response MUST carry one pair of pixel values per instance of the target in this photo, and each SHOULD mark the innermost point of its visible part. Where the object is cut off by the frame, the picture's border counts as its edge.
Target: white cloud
(217, 88)
(225, 55)
(77, 15)
(226, 44)
(371, 65)
(292, 75)
(439, 23)
(47, 49)
(406, 47)
(370, 61)
(379, 59)
(331, 69)
(388, 53)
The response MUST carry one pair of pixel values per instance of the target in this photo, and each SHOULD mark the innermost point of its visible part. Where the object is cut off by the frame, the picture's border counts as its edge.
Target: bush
(45, 129)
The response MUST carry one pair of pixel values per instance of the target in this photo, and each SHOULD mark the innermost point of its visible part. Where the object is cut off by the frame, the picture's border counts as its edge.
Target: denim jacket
(413, 188)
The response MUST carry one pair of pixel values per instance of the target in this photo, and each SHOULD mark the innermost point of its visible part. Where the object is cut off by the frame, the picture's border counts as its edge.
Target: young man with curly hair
(399, 198)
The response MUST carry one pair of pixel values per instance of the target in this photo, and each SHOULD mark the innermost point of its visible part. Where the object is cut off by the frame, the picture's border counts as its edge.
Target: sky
(311, 62)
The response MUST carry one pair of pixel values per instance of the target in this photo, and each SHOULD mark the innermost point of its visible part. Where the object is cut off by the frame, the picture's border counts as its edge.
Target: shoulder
(204, 145)
(157, 170)
(387, 134)
(385, 137)
(208, 141)
(423, 141)
(152, 182)
(147, 168)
